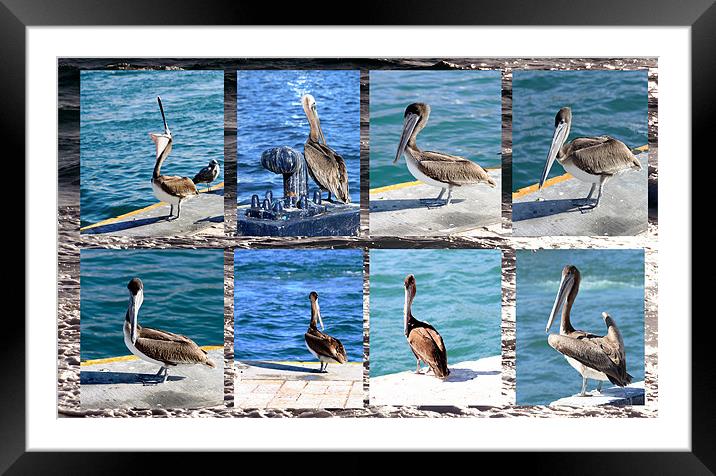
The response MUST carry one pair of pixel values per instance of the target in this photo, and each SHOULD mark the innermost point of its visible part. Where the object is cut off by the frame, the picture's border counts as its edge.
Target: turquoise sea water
(183, 293)
(458, 292)
(610, 103)
(612, 281)
(118, 110)
(465, 118)
(271, 306)
(269, 114)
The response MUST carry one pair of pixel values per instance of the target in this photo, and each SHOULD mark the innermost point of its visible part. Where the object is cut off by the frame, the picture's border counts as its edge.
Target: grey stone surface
(130, 384)
(412, 210)
(197, 213)
(623, 209)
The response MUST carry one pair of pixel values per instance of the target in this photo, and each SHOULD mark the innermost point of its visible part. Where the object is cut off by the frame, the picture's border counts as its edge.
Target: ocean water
(465, 118)
(458, 292)
(118, 110)
(612, 281)
(269, 114)
(610, 103)
(271, 306)
(183, 293)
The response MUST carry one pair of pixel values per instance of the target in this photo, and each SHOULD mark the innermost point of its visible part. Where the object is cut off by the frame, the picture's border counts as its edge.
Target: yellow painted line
(533, 188)
(398, 186)
(128, 358)
(136, 212)
(555, 180)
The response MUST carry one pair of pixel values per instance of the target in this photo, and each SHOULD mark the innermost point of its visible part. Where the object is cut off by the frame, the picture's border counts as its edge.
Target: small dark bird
(208, 174)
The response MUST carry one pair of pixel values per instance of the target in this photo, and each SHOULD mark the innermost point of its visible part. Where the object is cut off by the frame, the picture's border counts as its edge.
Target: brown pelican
(590, 159)
(594, 357)
(325, 348)
(208, 174)
(425, 342)
(327, 168)
(155, 346)
(168, 188)
(435, 168)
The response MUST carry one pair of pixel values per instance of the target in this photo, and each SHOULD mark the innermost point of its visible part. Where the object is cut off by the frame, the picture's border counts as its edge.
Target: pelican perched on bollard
(326, 167)
(593, 160)
(155, 346)
(208, 174)
(168, 188)
(435, 168)
(594, 357)
(425, 342)
(325, 348)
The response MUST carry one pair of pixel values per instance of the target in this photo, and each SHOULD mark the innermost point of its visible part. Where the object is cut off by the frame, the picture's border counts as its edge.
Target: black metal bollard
(292, 165)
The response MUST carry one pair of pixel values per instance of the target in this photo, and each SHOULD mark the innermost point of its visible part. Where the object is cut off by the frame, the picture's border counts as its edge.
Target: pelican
(325, 348)
(326, 166)
(590, 159)
(168, 188)
(208, 174)
(425, 342)
(155, 346)
(435, 168)
(594, 357)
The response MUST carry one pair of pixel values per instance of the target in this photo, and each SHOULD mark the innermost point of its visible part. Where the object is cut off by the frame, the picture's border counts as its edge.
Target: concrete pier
(410, 209)
(633, 394)
(203, 213)
(556, 210)
(126, 382)
(298, 385)
(477, 382)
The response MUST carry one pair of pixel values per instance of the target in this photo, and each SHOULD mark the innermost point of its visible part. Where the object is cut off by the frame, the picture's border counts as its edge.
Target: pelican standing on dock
(594, 357)
(593, 160)
(425, 342)
(168, 188)
(155, 346)
(325, 348)
(435, 168)
(208, 174)
(326, 167)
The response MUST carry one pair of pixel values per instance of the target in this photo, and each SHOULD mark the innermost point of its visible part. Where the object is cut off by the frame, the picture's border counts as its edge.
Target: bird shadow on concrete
(215, 219)
(124, 225)
(465, 375)
(92, 377)
(527, 210)
(409, 204)
(286, 367)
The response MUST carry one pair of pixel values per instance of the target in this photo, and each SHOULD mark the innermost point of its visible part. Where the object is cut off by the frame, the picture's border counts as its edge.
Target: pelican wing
(170, 348)
(428, 345)
(596, 353)
(176, 186)
(453, 169)
(602, 155)
(327, 346)
(327, 168)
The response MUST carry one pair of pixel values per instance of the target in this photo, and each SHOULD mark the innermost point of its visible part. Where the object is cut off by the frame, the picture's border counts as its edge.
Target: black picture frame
(16, 15)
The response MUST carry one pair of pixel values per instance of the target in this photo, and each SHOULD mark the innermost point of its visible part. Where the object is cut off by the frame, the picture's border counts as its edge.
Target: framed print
(267, 235)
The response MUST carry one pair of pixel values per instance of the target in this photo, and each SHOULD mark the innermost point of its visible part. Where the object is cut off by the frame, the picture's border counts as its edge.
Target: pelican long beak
(564, 287)
(320, 321)
(409, 123)
(558, 139)
(164, 118)
(318, 125)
